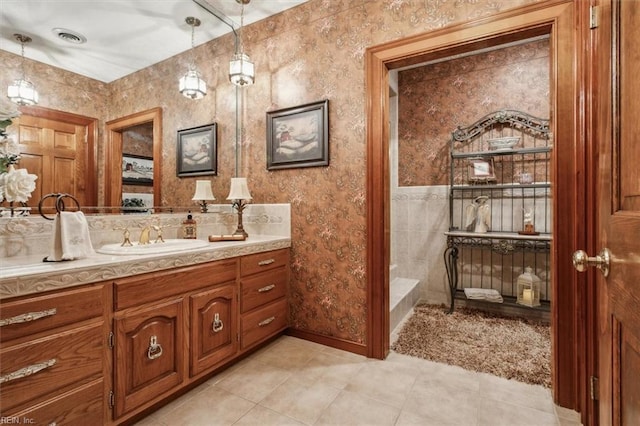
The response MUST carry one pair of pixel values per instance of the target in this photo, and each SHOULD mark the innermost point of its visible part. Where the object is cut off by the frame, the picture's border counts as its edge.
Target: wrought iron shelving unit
(515, 182)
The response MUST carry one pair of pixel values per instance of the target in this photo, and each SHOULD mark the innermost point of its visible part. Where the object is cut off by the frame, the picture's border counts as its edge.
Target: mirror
(132, 142)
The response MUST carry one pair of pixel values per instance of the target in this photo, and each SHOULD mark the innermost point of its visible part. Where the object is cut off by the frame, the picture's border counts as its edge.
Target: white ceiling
(123, 36)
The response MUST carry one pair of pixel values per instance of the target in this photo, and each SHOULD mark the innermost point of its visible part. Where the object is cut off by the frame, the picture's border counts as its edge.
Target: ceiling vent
(69, 36)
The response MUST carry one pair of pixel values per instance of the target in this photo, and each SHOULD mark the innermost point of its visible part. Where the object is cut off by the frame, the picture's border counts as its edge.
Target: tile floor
(296, 382)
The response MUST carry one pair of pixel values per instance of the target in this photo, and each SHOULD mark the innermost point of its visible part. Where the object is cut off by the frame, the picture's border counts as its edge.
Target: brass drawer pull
(217, 325)
(266, 322)
(155, 349)
(28, 317)
(266, 288)
(266, 262)
(26, 371)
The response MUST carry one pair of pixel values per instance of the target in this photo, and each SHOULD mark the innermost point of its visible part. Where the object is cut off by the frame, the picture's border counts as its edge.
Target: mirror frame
(113, 155)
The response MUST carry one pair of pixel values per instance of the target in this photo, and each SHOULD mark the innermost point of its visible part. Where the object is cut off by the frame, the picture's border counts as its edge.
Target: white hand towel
(71, 238)
(490, 295)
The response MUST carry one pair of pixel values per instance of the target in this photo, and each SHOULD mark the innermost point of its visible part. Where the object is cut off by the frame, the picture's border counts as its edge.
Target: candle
(527, 296)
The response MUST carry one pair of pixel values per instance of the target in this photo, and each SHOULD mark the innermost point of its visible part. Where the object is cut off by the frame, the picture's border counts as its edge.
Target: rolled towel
(71, 238)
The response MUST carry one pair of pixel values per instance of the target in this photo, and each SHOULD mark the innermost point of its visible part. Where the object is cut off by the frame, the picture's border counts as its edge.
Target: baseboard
(334, 342)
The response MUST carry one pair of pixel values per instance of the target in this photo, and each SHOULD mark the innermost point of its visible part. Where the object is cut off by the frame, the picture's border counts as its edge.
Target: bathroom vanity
(102, 340)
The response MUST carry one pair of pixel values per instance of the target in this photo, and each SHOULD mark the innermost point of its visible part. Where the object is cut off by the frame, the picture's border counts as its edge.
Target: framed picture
(137, 170)
(298, 136)
(197, 152)
(481, 170)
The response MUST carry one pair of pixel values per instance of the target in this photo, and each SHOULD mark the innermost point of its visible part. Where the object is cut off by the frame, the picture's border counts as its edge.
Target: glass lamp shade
(192, 86)
(203, 191)
(22, 92)
(239, 189)
(241, 70)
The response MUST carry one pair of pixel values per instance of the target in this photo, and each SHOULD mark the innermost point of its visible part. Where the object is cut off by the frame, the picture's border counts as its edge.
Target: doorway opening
(133, 161)
(555, 21)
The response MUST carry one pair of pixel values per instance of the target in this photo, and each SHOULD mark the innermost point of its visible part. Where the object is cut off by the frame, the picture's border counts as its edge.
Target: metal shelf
(517, 151)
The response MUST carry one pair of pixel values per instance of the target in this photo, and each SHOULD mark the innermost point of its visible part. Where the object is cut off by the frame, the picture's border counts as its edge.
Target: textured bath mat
(507, 347)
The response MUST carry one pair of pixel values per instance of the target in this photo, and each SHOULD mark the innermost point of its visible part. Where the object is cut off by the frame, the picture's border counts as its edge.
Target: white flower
(8, 148)
(17, 185)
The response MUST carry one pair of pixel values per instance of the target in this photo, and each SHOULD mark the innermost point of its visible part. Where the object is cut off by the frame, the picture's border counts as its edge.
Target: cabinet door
(149, 348)
(213, 327)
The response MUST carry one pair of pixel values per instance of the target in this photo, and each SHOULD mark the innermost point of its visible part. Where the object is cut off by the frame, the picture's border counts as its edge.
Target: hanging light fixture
(191, 85)
(241, 69)
(22, 91)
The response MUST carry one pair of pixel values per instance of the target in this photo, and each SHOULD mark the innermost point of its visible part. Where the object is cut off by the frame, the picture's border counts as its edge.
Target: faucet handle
(158, 230)
(126, 242)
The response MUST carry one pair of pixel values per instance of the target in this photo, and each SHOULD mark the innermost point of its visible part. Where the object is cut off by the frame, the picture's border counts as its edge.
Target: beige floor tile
(518, 393)
(451, 376)
(299, 400)
(286, 354)
(254, 380)
(442, 404)
(151, 420)
(330, 369)
(212, 406)
(380, 381)
(567, 414)
(499, 413)
(261, 416)
(353, 409)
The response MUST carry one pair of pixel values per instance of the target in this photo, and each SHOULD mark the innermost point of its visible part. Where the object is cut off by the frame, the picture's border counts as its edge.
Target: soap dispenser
(189, 227)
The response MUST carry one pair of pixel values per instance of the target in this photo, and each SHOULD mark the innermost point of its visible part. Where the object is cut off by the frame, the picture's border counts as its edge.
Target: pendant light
(22, 91)
(241, 69)
(191, 85)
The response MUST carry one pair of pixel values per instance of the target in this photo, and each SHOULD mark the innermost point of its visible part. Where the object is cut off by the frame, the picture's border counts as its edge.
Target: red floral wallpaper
(312, 52)
(435, 99)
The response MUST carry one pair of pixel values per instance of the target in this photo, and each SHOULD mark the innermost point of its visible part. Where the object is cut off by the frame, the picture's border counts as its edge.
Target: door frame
(113, 155)
(559, 20)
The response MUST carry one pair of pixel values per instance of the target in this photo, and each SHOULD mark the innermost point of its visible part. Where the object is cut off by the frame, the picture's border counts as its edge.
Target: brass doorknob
(581, 261)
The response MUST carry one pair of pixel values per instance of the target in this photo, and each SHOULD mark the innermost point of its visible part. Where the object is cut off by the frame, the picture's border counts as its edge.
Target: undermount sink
(168, 246)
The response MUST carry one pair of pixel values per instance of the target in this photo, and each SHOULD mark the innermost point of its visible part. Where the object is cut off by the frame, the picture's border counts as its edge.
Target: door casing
(559, 20)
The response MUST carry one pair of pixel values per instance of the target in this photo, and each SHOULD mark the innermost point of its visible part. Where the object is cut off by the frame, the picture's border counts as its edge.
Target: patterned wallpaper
(435, 99)
(312, 52)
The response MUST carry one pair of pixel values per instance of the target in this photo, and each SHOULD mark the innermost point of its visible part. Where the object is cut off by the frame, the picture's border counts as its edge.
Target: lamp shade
(239, 189)
(203, 191)
(241, 70)
(192, 86)
(22, 92)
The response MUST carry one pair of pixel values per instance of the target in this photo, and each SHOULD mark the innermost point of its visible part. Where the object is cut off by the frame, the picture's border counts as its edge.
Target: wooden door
(616, 94)
(149, 354)
(58, 148)
(213, 327)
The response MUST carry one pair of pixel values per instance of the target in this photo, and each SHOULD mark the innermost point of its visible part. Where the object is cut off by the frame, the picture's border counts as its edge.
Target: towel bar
(59, 203)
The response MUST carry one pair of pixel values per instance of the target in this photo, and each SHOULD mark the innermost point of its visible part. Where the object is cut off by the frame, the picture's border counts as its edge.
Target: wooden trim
(333, 342)
(113, 154)
(91, 153)
(557, 19)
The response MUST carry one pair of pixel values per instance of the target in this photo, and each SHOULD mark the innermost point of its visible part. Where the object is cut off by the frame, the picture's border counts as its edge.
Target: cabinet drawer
(259, 262)
(81, 406)
(158, 285)
(35, 314)
(263, 323)
(39, 369)
(263, 288)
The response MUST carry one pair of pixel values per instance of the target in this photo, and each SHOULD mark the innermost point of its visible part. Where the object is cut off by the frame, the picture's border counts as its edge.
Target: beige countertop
(24, 275)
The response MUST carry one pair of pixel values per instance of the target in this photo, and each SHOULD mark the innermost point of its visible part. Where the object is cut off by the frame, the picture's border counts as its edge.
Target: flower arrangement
(16, 185)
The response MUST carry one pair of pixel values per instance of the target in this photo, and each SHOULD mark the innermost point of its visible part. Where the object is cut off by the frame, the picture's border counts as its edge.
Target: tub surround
(25, 242)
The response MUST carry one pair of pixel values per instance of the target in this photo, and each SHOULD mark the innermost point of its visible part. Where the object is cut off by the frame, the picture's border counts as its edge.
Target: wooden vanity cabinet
(156, 324)
(263, 285)
(149, 353)
(52, 357)
(213, 327)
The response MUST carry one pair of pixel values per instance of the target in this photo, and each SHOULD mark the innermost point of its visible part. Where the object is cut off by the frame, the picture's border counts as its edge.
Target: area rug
(512, 348)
